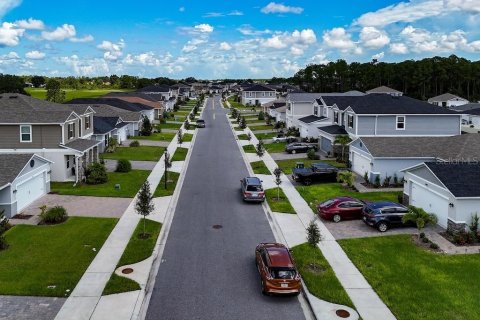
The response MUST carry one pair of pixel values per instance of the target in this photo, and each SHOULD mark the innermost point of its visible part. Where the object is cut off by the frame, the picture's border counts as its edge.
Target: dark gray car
(297, 147)
(200, 123)
(252, 189)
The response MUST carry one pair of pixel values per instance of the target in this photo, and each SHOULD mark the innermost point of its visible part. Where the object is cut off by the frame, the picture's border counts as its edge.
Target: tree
(249, 136)
(4, 226)
(167, 164)
(180, 137)
(243, 123)
(420, 217)
(11, 84)
(144, 205)
(260, 149)
(147, 127)
(112, 145)
(342, 140)
(313, 238)
(54, 92)
(38, 81)
(278, 180)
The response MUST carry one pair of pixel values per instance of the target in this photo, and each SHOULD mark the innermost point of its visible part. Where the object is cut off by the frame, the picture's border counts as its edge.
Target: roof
(281, 109)
(311, 118)
(385, 104)
(276, 105)
(118, 103)
(82, 144)
(461, 179)
(258, 87)
(103, 125)
(445, 97)
(11, 165)
(129, 94)
(279, 256)
(466, 107)
(383, 89)
(466, 146)
(135, 99)
(333, 130)
(105, 110)
(473, 112)
(155, 89)
(311, 97)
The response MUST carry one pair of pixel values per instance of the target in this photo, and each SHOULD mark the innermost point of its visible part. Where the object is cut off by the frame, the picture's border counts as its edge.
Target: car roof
(253, 180)
(279, 256)
(383, 204)
(323, 165)
(342, 199)
(200, 120)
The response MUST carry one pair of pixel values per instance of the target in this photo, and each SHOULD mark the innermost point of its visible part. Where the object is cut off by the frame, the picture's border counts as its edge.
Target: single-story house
(385, 90)
(448, 190)
(24, 178)
(448, 100)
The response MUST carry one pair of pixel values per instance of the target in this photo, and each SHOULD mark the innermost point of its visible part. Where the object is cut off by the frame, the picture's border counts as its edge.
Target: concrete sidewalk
(367, 302)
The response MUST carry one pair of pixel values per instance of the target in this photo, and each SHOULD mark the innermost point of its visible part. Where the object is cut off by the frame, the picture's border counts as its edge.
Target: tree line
(421, 79)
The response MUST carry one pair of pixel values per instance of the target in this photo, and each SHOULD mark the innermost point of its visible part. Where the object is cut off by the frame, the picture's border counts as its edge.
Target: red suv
(277, 270)
(341, 208)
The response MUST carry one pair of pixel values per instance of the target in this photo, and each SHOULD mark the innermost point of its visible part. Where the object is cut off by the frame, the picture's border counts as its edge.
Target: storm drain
(342, 313)
(127, 270)
(217, 226)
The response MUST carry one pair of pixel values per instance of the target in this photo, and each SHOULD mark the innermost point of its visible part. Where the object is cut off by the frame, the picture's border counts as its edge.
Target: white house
(385, 90)
(258, 95)
(448, 100)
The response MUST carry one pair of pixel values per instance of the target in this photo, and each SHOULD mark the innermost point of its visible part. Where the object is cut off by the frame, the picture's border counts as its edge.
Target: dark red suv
(341, 208)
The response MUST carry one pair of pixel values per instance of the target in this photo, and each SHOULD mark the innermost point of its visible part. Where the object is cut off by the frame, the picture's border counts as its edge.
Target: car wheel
(307, 182)
(337, 218)
(382, 226)
(294, 151)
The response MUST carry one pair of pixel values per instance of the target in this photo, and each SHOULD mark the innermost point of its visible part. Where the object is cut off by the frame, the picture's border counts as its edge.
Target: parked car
(200, 123)
(300, 147)
(252, 189)
(384, 214)
(341, 208)
(283, 138)
(317, 172)
(277, 270)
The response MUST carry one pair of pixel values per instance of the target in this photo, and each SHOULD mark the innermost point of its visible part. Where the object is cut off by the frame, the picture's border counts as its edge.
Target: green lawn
(249, 148)
(287, 165)
(168, 125)
(321, 281)
(162, 136)
(264, 136)
(138, 249)
(72, 94)
(282, 205)
(142, 153)
(262, 127)
(180, 154)
(242, 136)
(171, 184)
(316, 193)
(187, 137)
(415, 283)
(237, 129)
(56, 255)
(129, 182)
(235, 104)
(259, 167)
(275, 147)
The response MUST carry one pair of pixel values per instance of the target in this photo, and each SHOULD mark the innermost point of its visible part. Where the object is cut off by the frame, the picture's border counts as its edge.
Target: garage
(30, 190)
(431, 202)
(360, 164)
(325, 145)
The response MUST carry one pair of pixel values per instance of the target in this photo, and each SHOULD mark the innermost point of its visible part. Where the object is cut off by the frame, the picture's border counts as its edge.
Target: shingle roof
(465, 108)
(258, 87)
(311, 97)
(104, 110)
(383, 89)
(11, 165)
(310, 119)
(462, 179)
(102, 125)
(159, 89)
(445, 97)
(333, 130)
(474, 112)
(82, 144)
(276, 105)
(141, 95)
(118, 103)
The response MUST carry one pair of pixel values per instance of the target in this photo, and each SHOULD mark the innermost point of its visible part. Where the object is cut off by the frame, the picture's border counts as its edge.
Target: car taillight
(246, 194)
(261, 194)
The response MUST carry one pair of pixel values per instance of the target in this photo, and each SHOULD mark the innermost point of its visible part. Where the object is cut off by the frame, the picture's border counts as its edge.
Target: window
(87, 122)
(263, 94)
(71, 131)
(400, 122)
(26, 133)
(68, 162)
(335, 116)
(315, 110)
(271, 94)
(350, 121)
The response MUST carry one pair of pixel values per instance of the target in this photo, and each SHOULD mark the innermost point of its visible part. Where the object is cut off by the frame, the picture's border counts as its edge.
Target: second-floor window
(87, 123)
(350, 121)
(335, 117)
(26, 133)
(71, 131)
(400, 122)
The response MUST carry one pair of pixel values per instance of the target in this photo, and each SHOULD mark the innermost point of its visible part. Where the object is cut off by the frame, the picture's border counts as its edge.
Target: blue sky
(227, 39)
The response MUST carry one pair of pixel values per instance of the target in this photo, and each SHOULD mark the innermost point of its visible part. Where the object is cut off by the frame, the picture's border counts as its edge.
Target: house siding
(391, 167)
(366, 126)
(43, 136)
(419, 125)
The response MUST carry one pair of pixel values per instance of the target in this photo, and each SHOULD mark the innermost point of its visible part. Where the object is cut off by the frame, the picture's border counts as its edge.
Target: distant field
(73, 94)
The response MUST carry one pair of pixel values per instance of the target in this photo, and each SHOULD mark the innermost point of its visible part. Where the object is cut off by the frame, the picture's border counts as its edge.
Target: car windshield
(327, 203)
(253, 187)
(200, 120)
(283, 273)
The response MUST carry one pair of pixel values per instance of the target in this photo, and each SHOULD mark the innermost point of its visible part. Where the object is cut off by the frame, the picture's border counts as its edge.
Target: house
(60, 133)
(308, 126)
(277, 109)
(448, 190)
(158, 92)
(385, 90)
(141, 98)
(388, 156)
(184, 91)
(105, 128)
(132, 119)
(24, 178)
(448, 100)
(258, 95)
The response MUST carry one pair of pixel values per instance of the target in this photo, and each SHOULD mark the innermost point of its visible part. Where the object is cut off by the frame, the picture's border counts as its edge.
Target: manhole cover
(127, 270)
(217, 226)
(342, 313)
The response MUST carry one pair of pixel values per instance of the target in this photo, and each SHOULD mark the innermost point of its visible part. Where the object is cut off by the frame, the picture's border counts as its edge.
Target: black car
(384, 215)
(300, 147)
(200, 123)
(318, 172)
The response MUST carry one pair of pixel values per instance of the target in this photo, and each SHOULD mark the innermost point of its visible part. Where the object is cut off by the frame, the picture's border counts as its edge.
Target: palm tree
(420, 217)
(342, 140)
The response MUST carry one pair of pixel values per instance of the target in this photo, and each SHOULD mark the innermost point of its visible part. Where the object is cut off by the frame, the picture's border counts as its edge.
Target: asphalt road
(209, 273)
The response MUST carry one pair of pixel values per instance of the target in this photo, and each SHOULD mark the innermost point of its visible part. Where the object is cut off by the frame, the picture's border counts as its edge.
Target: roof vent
(13, 97)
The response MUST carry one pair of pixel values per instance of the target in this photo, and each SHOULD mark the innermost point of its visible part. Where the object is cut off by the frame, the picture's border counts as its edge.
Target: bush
(96, 174)
(434, 246)
(365, 177)
(54, 215)
(386, 182)
(312, 155)
(377, 181)
(4, 225)
(147, 127)
(3, 243)
(422, 235)
(123, 165)
(400, 198)
(261, 116)
(425, 240)
(135, 143)
(346, 177)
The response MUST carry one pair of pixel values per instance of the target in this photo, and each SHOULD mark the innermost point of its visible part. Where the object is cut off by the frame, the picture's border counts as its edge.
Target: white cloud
(378, 56)
(221, 14)
(373, 38)
(204, 28)
(146, 59)
(10, 35)
(30, 24)
(88, 67)
(301, 39)
(472, 6)
(11, 56)
(247, 30)
(296, 51)
(113, 51)
(273, 7)
(87, 38)
(66, 31)
(181, 9)
(398, 48)
(7, 5)
(319, 58)
(225, 46)
(192, 45)
(35, 55)
(338, 38)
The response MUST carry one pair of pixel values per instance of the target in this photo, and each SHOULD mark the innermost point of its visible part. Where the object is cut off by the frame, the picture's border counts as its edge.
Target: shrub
(470, 237)
(422, 235)
(261, 116)
(243, 123)
(191, 116)
(434, 246)
(346, 177)
(365, 177)
(386, 181)
(96, 173)
(400, 198)
(3, 243)
(112, 145)
(312, 155)
(425, 240)
(460, 239)
(186, 124)
(395, 179)
(474, 224)
(4, 225)
(54, 215)
(123, 165)
(147, 127)
(135, 143)
(377, 181)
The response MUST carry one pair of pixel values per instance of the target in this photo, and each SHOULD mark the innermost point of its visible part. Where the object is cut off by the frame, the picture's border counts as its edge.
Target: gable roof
(82, 144)
(155, 89)
(105, 110)
(102, 125)
(258, 87)
(333, 130)
(383, 89)
(465, 108)
(311, 97)
(461, 179)
(310, 119)
(445, 97)
(118, 103)
(11, 165)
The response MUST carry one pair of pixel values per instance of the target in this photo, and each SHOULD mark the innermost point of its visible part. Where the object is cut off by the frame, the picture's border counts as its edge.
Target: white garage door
(360, 164)
(30, 191)
(430, 202)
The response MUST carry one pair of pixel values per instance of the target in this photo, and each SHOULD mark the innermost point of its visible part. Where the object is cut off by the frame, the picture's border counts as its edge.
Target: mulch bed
(425, 245)
(22, 216)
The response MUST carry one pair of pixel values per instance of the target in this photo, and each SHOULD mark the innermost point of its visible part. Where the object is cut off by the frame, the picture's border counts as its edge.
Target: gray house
(105, 128)
(24, 178)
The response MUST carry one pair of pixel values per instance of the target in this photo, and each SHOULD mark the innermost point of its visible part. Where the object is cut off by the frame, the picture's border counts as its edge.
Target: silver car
(252, 189)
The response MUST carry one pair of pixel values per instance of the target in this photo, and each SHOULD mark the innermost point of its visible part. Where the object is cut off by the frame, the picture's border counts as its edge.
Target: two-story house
(132, 119)
(141, 98)
(258, 95)
(160, 92)
(60, 133)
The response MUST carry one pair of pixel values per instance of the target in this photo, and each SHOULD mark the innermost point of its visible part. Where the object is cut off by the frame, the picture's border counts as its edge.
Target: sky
(227, 39)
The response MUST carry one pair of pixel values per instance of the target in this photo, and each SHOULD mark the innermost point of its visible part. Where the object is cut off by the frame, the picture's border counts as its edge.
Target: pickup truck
(317, 172)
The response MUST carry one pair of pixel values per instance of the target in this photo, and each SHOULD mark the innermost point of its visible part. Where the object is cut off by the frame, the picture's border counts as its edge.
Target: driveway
(25, 308)
(82, 206)
(111, 165)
